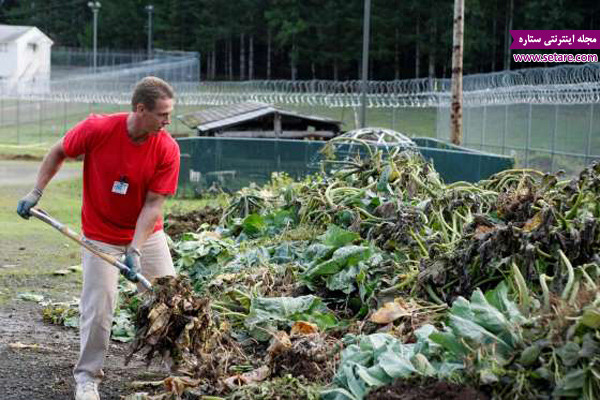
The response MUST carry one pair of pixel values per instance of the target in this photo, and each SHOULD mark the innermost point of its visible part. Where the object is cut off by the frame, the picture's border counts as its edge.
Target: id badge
(120, 187)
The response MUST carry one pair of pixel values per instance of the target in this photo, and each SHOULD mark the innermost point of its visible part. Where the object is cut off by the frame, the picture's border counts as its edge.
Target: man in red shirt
(131, 164)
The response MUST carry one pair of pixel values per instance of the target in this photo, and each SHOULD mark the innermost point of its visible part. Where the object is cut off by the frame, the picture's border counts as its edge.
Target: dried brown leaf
(178, 384)
(301, 328)
(389, 313)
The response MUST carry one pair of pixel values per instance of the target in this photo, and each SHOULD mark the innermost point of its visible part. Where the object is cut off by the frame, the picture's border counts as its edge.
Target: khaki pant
(99, 296)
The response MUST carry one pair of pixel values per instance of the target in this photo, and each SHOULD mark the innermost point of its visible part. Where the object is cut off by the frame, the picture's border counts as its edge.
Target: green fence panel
(455, 163)
(232, 163)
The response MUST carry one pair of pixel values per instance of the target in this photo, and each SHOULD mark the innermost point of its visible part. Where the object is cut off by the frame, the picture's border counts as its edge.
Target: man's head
(149, 90)
(152, 102)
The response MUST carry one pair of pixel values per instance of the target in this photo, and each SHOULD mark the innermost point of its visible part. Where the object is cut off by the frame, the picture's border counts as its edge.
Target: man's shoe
(87, 391)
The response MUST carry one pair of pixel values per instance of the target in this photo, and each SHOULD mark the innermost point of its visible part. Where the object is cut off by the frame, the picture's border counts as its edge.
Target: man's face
(153, 121)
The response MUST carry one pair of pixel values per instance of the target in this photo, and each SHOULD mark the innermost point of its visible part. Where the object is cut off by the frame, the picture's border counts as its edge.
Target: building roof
(224, 116)
(10, 33)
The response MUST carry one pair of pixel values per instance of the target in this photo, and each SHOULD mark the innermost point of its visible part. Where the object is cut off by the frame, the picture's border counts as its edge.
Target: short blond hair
(150, 89)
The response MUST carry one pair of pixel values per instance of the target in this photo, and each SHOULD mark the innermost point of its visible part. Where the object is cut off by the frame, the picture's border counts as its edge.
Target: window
(32, 46)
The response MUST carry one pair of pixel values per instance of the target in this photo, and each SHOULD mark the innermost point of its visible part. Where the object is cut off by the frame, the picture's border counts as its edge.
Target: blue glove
(30, 200)
(132, 259)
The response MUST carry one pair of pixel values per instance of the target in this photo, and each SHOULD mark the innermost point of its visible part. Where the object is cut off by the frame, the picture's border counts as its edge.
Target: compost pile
(172, 323)
(179, 223)
(374, 273)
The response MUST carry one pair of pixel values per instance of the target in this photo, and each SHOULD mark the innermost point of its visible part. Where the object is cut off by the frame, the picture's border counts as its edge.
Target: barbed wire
(566, 84)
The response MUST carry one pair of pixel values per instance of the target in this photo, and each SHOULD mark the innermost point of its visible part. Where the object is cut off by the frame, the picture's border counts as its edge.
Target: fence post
(554, 133)
(40, 117)
(505, 129)
(483, 127)
(65, 119)
(528, 144)
(18, 121)
(466, 129)
(588, 148)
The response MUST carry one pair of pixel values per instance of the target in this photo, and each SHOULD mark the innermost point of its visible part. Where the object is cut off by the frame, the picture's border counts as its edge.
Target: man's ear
(140, 107)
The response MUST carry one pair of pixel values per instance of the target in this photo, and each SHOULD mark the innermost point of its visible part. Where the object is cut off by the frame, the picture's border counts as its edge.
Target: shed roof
(10, 33)
(224, 116)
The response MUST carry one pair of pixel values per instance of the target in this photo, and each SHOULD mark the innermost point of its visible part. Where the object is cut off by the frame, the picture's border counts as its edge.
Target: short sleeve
(164, 180)
(77, 141)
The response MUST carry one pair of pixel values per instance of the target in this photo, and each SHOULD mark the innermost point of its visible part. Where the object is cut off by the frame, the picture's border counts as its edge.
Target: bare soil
(430, 390)
(37, 359)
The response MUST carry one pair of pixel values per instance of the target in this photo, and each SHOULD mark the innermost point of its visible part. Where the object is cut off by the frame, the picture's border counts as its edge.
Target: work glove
(132, 259)
(30, 200)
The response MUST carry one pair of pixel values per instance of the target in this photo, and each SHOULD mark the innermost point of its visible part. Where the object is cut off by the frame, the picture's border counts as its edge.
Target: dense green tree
(307, 39)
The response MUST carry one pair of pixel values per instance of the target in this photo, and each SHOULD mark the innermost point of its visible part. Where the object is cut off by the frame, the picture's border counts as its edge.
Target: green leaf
(72, 322)
(449, 342)
(342, 257)
(530, 355)
(338, 237)
(499, 299)
(422, 365)
(122, 327)
(486, 315)
(476, 334)
(569, 353)
(317, 252)
(343, 280)
(337, 394)
(253, 225)
(280, 219)
(591, 318)
(357, 386)
(382, 185)
(266, 312)
(364, 374)
(590, 348)
(571, 385)
(394, 365)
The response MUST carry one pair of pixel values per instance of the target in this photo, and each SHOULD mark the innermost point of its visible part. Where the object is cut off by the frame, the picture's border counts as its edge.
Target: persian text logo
(554, 57)
(555, 39)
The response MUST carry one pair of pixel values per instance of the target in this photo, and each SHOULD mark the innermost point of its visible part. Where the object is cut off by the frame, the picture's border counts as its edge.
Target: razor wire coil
(112, 84)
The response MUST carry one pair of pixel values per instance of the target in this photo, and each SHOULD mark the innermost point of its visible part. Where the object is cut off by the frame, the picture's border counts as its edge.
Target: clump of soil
(313, 356)
(429, 390)
(177, 224)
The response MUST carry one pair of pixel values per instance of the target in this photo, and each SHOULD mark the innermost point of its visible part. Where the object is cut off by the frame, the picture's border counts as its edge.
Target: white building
(24, 57)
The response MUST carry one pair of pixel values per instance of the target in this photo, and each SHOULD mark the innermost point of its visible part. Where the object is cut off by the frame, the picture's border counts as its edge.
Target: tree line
(307, 39)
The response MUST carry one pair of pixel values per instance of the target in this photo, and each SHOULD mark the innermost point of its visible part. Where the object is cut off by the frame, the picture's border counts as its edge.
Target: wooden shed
(260, 120)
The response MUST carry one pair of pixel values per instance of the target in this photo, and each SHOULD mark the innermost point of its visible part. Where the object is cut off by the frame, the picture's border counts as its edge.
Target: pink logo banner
(550, 39)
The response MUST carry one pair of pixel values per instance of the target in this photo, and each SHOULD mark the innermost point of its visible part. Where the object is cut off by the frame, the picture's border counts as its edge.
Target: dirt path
(16, 172)
(37, 359)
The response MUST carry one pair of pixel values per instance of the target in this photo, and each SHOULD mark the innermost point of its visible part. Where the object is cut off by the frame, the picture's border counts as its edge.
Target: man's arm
(50, 165)
(151, 212)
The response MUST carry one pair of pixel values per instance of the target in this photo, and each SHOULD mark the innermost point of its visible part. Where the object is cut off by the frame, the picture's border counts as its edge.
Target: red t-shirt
(111, 156)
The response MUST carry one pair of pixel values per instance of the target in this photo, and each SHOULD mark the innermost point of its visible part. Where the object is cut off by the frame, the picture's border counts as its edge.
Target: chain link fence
(545, 117)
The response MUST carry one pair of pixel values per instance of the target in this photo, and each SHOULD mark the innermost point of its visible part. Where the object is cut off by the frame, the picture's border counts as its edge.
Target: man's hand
(132, 259)
(30, 200)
